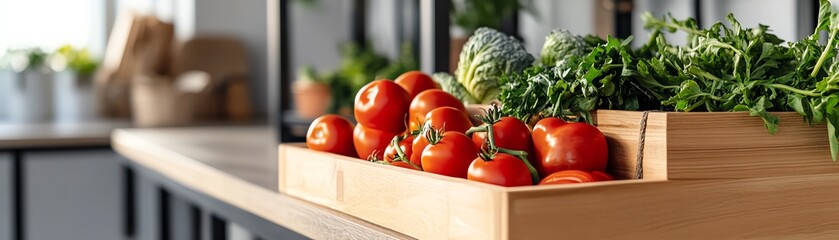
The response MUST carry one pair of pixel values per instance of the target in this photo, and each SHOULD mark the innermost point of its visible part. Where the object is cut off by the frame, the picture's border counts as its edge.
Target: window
(50, 24)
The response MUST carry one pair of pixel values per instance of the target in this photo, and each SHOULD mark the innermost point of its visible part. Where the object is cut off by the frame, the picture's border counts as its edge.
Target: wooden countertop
(238, 165)
(58, 134)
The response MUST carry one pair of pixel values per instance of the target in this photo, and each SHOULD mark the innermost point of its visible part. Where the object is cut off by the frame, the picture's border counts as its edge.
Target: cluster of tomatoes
(411, 123)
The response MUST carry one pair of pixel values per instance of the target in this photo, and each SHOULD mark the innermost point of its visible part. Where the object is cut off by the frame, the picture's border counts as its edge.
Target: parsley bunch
(747, 69)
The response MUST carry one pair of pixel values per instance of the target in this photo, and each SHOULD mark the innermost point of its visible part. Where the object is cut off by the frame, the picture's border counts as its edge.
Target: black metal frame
(164, 201)
(442, 38)
(18, 195)
(196, 216)
(218, 228)
(129, 204)
(623, 18)
(697, 12)
(284, 80)
(814, 10)
(359, 22)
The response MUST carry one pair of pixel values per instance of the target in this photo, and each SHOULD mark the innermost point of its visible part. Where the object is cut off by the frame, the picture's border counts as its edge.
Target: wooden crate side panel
(779, 207)
(622, 130)
(736, 145)
(418, 204)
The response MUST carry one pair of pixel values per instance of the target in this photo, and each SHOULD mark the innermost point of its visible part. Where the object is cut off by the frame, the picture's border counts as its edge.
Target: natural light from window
(50, 24)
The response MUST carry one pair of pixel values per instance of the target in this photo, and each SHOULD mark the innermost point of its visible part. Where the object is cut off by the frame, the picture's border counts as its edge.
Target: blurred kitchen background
(182, 62)
(66, 65)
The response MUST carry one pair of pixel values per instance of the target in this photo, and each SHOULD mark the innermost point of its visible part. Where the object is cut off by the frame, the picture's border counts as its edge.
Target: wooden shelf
(237, 165)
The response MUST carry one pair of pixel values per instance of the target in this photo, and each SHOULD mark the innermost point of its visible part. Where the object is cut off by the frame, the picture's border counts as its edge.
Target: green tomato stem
(401, 154)
(521, 155)
(472, 130)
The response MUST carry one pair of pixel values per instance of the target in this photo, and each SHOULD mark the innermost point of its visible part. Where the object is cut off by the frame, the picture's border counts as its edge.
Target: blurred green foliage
(78, 60)
(23, 59)
(359, 66)
(473, 14)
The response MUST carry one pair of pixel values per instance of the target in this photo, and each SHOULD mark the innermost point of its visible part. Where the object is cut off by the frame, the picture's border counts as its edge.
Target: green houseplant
(74, 69)
(28, 88)
(79, 61)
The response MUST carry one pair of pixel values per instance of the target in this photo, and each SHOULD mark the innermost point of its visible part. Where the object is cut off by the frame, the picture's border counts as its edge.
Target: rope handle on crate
(639, 157)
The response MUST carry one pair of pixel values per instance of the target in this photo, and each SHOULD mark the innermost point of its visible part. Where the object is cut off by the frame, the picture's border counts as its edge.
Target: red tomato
(540, 135)
(367, 140)
(430, 100)
(504, 170)
(510, 133)
(402, 165)
(601, 176)
(568, 146)
(415, 82)
(567, 176)
(449, 119)
(451, 156)
(383, 105)
(419, 144)
(405, 144)
(331, 133)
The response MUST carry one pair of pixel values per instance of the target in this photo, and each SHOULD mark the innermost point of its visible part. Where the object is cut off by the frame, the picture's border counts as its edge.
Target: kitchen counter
(56, 135)
(237, 165)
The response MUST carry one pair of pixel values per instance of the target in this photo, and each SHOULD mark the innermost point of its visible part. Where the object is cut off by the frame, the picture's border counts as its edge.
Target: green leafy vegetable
(486, 57)
(450, 85)
(605, 77)
(749, 69)
(721, 68)
(560, 46)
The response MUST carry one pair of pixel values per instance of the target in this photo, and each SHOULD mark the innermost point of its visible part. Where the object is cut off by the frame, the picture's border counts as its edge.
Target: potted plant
(29, 91)
(359, 66)
(74, 69)
(312, 95)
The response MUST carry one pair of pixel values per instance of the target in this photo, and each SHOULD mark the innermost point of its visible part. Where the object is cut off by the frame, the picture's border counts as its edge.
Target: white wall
(383, 24)
(779, 15)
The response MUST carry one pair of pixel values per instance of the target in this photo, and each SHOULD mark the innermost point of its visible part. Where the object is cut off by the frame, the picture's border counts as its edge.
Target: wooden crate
(429, 206)
(706, 176)
(723, 145)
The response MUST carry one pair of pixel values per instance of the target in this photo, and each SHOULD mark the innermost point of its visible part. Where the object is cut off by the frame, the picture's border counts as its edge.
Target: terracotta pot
(311, 99)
